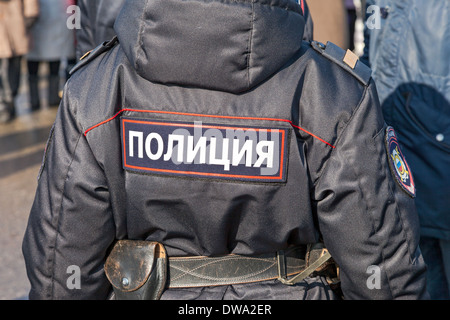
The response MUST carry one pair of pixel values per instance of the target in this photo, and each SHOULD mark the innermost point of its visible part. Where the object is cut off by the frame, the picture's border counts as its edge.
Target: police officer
(212, 130)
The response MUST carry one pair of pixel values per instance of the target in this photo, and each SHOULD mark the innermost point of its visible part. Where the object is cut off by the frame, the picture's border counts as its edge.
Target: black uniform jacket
(211, 127)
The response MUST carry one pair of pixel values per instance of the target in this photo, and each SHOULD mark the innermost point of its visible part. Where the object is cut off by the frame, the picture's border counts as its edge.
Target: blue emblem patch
(250, 154)
(398, 165)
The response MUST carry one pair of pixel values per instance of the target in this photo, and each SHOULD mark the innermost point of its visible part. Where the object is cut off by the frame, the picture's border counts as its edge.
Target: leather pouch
(137, 270)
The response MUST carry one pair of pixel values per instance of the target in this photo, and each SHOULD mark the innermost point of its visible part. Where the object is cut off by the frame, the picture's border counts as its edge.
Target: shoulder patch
(398, 165)
(347, 60)
(91, 55)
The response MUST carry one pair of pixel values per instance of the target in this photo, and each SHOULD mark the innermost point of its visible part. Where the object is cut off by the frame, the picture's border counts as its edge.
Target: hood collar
(227, 45)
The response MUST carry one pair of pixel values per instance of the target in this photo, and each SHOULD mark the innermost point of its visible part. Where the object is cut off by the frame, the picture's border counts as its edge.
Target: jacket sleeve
(368, 223)
(70, 227)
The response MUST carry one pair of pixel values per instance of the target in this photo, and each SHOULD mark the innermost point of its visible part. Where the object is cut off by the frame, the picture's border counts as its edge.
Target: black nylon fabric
(250, 43)
(338, 184)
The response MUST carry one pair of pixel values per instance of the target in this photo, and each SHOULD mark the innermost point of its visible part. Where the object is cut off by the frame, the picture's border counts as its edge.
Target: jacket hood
(227, 45)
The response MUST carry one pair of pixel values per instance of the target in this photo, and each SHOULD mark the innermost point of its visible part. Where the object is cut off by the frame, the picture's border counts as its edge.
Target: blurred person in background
(51, 42)
(97, 23)
(330, 21)
(72, 60)
(407, 44)
(16, 17)
(351, 16)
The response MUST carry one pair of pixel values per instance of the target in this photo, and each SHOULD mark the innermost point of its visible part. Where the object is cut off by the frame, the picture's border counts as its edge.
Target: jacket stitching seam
(250, 42)
(139, 44)
(57, 223)
(373, 220)
(286, 7)
(316, 183)
(208, 116)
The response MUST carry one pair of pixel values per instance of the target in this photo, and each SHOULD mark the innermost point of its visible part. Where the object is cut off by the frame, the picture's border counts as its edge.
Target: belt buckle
(306, 272)
(282, 268)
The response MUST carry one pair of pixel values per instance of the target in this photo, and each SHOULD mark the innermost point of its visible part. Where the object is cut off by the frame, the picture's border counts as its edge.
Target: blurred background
(22, 142)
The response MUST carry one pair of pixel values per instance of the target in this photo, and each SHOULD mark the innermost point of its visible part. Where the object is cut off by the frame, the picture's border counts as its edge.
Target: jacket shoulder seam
(93, 54)
(339, 135)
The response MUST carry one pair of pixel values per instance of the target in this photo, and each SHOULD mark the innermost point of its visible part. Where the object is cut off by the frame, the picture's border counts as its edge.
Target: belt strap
(233, 269)
(307, 271)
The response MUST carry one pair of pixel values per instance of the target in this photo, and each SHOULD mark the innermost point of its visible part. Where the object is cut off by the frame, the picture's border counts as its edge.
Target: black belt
(142, 270)
(232, 269)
